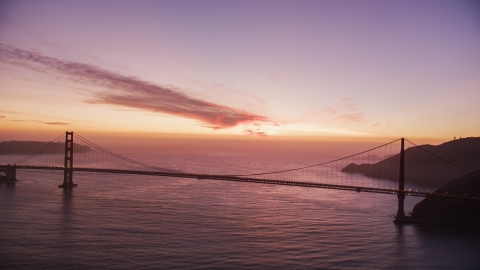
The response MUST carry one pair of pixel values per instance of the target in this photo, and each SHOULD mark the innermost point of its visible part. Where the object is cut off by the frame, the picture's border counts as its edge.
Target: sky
(262, 70)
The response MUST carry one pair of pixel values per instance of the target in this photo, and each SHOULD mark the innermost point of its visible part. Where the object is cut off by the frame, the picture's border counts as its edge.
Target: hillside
(29, 147)
(450, 212)
(423, 168)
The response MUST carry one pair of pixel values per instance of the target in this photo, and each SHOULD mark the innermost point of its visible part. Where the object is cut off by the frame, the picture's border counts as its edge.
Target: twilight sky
(291, 69)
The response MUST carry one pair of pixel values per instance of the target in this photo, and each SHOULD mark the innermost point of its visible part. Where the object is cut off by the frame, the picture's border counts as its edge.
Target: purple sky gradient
(369, 68)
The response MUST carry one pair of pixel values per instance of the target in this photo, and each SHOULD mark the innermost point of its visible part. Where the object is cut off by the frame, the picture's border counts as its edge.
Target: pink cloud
(56, 123)
(328, 112)
(351, 117)
(256, 133)
(42, 122)
(276, 76)
(347, 112)
(132, 92)
(351, 112)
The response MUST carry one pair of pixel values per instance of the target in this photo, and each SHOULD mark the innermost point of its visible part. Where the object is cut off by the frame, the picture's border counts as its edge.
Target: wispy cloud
(14, 112)
(351, 117)
(256, 133)
(56, 123)
(327, 112)
(348, 112)
(351, 112)
(128, 91)
(316, 129)
(14, 120)
(41, 122)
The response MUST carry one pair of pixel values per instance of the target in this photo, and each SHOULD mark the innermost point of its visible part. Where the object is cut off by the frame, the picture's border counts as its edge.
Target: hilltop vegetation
(29, 147)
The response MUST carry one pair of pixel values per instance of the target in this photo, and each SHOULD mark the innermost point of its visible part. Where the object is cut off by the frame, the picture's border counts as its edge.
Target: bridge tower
(68, 165)
(400, 218)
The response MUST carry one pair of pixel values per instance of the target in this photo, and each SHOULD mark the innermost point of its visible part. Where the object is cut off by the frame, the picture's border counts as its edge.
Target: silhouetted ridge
(451, 212)
(422, 167)
(28, 147)
(467, 185)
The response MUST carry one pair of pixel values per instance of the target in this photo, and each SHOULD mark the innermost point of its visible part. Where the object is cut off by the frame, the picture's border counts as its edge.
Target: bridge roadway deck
(230, 178)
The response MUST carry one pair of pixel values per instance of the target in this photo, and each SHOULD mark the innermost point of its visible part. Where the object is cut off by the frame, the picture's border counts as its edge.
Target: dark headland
(452, 212)
(433, 210)
(29, 147)
(464, 153)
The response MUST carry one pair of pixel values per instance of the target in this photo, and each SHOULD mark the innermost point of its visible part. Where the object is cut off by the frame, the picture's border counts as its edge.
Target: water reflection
(67, 207)
(400, 251)
(399, 236)
(8, 190)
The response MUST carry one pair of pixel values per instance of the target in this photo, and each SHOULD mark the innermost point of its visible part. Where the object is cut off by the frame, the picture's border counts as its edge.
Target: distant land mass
(452, 212)
(421, 167)
(29, 147)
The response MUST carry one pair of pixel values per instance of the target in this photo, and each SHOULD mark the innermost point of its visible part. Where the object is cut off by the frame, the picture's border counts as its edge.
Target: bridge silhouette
(385, 165)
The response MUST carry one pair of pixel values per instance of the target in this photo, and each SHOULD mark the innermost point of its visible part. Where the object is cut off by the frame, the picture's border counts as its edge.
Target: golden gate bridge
(399, 167)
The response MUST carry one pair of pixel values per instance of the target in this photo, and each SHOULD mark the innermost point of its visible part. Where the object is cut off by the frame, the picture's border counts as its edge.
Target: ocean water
(144, 222)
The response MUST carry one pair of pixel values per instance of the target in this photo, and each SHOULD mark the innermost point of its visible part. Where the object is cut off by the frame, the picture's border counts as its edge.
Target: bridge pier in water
(401, 218)
(68, 165)
(10, 173)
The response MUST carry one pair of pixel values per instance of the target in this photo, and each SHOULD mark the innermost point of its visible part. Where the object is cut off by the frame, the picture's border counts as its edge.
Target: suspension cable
(314, 165)
(119, 156)
(38, 152)
(439, 157)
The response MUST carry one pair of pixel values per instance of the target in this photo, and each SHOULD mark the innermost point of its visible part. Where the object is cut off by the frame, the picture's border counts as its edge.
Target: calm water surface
(141, 222)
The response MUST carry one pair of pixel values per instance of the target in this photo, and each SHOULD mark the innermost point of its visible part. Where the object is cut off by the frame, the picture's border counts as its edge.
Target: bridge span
(228, 178)
(390, 167)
